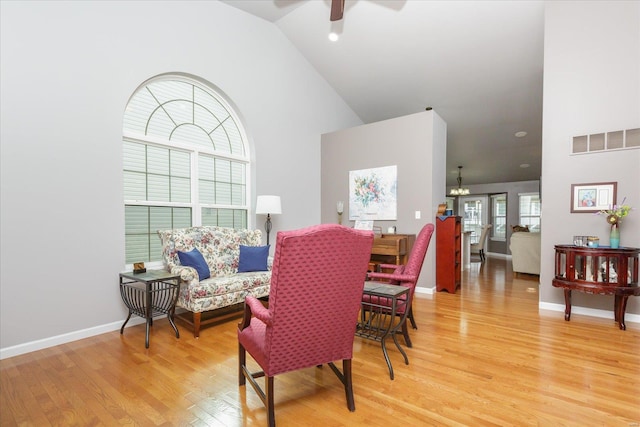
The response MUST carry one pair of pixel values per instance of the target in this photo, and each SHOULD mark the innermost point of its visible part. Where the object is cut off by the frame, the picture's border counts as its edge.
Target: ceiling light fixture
(459, 191)
(521, 134)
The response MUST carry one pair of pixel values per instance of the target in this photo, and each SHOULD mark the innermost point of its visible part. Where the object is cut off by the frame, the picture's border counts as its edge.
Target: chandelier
(459, 191)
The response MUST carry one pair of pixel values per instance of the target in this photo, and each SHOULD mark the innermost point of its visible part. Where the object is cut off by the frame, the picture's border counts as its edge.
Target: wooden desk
(392, 248)
(601, 271)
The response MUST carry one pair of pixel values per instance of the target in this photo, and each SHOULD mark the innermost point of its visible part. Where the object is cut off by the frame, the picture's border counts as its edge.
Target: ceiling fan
(337, 10)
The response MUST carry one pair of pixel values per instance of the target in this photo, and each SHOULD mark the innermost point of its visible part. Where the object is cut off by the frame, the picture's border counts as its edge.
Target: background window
(499, 216)
(530, 211)
(474, 215)
(185, 163)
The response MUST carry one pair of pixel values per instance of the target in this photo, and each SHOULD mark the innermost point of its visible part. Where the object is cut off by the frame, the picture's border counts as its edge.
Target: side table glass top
(150, 276)
(383, 289)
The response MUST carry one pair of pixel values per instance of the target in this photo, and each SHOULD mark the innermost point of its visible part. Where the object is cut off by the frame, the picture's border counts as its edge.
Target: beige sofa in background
(525, 252)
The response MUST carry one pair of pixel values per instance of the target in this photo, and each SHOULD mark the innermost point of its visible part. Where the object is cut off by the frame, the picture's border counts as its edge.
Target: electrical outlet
(418, 214)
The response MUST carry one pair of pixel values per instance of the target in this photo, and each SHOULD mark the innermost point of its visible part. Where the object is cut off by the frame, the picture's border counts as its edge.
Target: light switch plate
(418, 214)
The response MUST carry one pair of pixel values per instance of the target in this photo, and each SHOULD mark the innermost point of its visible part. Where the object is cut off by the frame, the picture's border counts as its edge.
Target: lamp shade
(268, 205)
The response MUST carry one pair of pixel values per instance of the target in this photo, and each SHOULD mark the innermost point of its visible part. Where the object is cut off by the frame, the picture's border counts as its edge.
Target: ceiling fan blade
(337, 9)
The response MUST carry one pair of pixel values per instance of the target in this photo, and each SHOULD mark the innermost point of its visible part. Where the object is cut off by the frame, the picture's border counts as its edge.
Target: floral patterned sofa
(220, 247)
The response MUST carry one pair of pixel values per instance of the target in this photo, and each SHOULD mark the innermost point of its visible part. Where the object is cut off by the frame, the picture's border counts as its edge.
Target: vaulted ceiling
(478, 64)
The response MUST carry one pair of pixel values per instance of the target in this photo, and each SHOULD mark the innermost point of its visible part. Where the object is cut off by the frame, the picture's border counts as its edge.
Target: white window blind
(499, 216)
(185, 163)
(530, 211)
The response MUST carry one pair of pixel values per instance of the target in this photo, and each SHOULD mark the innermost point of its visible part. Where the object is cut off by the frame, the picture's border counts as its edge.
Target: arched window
(186, 162)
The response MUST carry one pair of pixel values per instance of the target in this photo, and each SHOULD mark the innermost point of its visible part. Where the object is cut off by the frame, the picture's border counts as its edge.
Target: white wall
(67, 72)
(417, 145)
(591, 85)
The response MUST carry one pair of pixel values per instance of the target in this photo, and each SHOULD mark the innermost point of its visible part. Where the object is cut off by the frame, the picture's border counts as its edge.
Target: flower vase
(614, 236)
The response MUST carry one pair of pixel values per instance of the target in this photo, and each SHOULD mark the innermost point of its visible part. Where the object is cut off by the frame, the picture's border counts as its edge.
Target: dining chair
(317, 282)
(407, 275)
(478, 248)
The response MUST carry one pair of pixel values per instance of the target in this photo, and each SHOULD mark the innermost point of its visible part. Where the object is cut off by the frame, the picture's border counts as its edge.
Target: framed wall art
(373, 193)
(593, 197)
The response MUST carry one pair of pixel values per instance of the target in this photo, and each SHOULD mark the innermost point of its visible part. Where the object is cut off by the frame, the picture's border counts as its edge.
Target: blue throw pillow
(194, 259)
(253, 258)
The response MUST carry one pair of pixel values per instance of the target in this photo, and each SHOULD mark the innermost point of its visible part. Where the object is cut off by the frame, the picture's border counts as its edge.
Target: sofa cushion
(194, 259)
(253, 258)
(223, 291)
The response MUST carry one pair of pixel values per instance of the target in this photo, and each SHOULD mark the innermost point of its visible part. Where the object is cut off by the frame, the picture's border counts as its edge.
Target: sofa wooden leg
(196, 324)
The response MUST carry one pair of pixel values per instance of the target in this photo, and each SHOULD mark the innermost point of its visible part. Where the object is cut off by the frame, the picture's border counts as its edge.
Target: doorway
(474, 212)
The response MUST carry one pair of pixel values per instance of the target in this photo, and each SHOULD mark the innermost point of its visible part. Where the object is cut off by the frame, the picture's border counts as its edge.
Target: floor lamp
(268, 205)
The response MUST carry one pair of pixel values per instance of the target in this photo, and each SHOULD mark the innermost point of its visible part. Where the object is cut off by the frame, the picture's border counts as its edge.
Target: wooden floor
(483, 356)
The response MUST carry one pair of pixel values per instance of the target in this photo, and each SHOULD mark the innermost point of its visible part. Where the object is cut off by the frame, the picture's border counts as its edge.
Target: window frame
(494, 216)
(195, 151)
(474, 225)
(538, 216)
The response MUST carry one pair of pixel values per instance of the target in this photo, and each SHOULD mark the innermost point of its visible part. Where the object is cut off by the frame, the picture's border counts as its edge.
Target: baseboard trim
(425, 291)
(497, 255)
(28, 347)
(603, 314)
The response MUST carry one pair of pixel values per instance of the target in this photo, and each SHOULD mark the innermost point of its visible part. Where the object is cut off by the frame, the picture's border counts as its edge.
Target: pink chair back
(416, 258)
(316, 288)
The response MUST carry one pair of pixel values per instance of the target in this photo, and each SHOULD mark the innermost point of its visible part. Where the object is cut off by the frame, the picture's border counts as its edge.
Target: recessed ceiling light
(333, 36)
(525, 165)
(521, 134)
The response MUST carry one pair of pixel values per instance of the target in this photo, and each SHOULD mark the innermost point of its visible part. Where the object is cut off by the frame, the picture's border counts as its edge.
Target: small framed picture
(594, 197)
(363, 225)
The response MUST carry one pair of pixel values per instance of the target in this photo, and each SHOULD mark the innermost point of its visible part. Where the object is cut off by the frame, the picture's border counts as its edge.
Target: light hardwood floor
(483, 356)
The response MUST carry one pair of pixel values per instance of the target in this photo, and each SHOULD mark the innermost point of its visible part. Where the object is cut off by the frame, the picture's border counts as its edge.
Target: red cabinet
(448, 253)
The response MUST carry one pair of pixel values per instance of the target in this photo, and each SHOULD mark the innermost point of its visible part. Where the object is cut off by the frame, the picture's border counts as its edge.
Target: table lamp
(268, 205)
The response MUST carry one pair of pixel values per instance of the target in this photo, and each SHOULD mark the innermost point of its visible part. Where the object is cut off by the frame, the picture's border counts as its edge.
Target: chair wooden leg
(348, 384)
(413, 321)
(345, 379)
(405, 333)
(271, 413)
(242, 361)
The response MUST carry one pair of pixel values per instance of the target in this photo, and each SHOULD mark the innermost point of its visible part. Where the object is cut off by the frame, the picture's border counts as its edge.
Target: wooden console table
(392, 248)
(601, 271)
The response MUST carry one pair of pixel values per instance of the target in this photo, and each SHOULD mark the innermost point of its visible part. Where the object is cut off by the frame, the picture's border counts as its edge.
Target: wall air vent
(599, 142)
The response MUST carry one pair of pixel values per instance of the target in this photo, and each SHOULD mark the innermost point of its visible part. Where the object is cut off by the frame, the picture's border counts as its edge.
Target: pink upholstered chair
(316, 288)
(407, 275)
